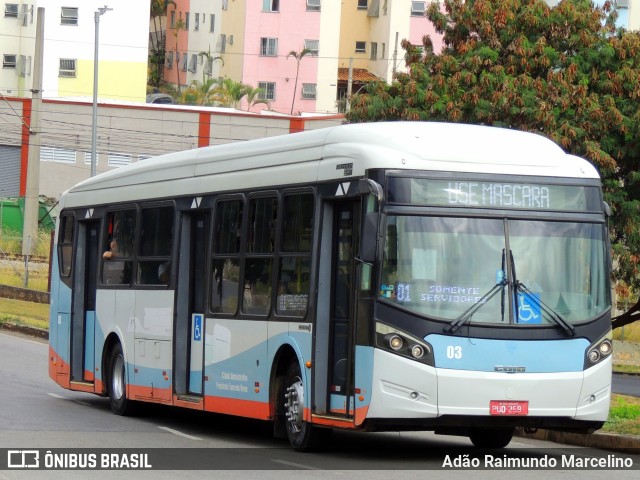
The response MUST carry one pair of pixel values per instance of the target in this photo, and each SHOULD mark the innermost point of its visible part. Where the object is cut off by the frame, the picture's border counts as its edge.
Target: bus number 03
(454, 352)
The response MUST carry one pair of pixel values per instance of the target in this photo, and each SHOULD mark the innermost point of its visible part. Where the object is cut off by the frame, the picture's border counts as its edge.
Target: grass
(38, 279)
(11, 242)
(624, 415)
(24, 313)
(631, 333)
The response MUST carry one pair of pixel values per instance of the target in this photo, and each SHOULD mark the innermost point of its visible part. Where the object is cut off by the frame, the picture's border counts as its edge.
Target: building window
(270, 5)
(363, 4)
(212, 23)
(186, 21)
(313, 5)
(185, 61)
(196, 26)
(69, 16)
(374, 51)
(384, 48)
(223, 43)
(308, 91)
(119, 159)
(58, 155)
(9, 61)
(11, 10)
(193, 63)
(169, 60)
(172, 21)
(225, 4)
(268, 90)
(67, 67)
(361, 47)
(269, 47)
(418, 8)
(313, 46)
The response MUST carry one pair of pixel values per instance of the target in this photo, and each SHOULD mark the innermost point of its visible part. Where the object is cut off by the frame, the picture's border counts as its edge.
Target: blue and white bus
(385, 276)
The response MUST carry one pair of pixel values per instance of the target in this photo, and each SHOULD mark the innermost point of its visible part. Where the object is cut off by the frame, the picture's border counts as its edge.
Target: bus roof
(319, 155)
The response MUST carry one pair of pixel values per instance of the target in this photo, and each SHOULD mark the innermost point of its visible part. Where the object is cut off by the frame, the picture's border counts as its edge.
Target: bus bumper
(404, 389)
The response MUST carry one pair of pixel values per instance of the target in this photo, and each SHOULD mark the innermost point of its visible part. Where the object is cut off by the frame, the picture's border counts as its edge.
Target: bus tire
(302, 435)
(120, 404)
(491, 437)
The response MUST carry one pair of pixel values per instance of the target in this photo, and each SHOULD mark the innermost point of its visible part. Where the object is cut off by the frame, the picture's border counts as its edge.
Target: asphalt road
(626, 384)
(37, 414)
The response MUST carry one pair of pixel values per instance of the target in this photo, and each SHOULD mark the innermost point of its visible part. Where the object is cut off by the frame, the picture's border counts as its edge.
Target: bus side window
(294, 269)
(258, 264)
(225, 284)
(65, 246)
(117, 264)
(156, 241)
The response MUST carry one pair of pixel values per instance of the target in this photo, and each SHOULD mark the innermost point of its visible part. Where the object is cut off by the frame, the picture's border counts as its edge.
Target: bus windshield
(441, 267)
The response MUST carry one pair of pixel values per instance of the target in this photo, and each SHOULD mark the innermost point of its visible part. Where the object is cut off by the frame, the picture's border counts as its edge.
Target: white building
(68, 48)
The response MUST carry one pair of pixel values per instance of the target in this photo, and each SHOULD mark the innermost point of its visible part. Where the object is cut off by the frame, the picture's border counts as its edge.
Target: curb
(32, 331)
(604, 441)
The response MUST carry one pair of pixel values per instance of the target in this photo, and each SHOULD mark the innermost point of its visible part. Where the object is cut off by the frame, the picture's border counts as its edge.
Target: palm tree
(199, 93)
(253, 97)
(210, 59)
(229, 92)
(177, 26)
(298, 56)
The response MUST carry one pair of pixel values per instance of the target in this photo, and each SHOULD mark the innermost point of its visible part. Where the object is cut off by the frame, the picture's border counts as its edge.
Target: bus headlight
(599, 350)
(403, 344)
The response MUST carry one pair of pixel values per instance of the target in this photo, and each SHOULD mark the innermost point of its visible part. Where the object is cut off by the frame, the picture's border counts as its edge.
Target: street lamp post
(94, 126)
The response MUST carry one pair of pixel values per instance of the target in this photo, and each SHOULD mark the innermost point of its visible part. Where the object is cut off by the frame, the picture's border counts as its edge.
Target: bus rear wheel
(120, 404)
(302, 435)
(491, 437)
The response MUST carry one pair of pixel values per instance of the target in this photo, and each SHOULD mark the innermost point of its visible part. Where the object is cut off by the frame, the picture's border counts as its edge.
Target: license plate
(500, 407)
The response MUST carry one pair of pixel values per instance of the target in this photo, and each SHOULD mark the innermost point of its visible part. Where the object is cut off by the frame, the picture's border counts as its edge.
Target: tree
(255, 97)
(177, 26)
(298, 56)
(565, 72)
(158, 9)
(210, 59)
(200, 93)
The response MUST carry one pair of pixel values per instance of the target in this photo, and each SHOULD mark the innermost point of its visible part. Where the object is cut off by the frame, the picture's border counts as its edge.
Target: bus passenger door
(342, 310)
(83, 315)
(190, 304)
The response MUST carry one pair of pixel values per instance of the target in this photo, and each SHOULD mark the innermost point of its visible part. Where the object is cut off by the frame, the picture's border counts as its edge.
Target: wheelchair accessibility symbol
(529, 308)
(197, 327)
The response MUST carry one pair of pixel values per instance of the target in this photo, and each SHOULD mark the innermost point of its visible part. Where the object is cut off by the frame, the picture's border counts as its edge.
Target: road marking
(80, 402)
(297, 465)
(180, 434)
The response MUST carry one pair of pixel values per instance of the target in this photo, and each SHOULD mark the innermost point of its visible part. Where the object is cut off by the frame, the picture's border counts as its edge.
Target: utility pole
(32, 194)
(349, 86)
(94, 125)
(395, 56)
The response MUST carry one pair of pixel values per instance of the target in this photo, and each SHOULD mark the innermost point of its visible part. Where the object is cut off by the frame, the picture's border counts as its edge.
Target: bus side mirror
(369, 239)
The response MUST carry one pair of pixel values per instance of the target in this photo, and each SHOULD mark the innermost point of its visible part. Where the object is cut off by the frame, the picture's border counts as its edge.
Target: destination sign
(488, 194)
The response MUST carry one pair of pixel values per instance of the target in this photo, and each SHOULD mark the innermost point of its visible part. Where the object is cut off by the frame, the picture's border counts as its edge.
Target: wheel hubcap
(294, 405)
(117, 382)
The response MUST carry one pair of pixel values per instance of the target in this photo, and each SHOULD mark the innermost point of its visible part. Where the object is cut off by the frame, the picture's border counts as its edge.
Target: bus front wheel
(491, 437)
(120, 404)
(301, 434)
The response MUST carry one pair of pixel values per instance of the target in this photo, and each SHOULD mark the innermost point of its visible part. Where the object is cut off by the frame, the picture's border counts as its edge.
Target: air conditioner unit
(230, 39)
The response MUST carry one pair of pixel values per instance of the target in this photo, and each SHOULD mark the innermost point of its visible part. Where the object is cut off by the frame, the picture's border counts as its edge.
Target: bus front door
(83, 315)
(343, 294)
(190, 304)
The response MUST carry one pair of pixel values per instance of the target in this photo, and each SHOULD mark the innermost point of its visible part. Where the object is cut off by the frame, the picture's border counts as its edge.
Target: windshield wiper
(468, 313)
(556, 317)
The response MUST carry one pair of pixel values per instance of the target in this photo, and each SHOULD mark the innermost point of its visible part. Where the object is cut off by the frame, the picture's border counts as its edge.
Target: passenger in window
(164, 272)
(113, 251)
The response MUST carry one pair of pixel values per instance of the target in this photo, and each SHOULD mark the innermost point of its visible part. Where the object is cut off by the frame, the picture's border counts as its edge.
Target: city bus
(386, 276)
